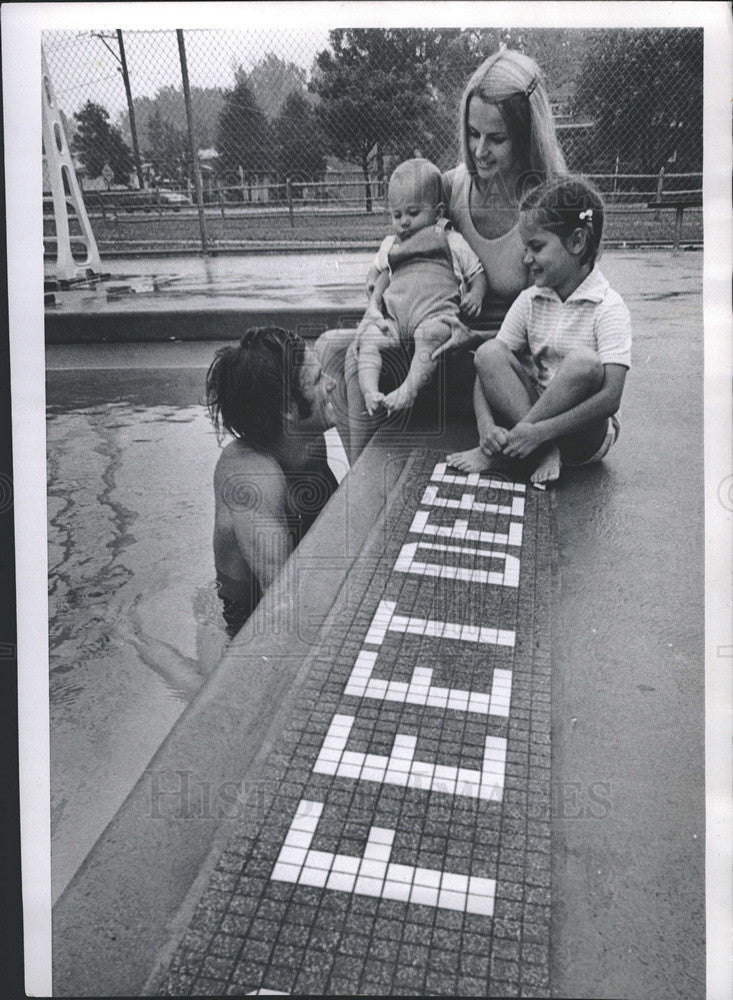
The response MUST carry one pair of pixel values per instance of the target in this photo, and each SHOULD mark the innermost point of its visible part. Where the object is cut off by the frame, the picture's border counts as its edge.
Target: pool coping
(206, 323)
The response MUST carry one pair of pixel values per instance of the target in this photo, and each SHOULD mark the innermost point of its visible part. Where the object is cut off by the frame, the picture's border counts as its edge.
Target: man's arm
(381, 283)
(372, 275)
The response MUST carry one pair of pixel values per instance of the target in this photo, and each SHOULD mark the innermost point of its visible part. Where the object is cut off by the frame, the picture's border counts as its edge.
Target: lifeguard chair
(65, 191)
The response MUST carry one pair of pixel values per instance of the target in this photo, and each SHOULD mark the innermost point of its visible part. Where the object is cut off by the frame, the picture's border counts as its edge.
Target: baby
(426, 272)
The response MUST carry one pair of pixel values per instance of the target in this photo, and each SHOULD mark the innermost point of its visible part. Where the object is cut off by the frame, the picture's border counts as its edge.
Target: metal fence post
(660, 191)
(220, 196)
(289, 195)
(191, 140)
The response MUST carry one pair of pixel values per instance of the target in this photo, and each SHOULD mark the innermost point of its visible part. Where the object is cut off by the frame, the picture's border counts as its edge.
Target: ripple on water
(134, 621)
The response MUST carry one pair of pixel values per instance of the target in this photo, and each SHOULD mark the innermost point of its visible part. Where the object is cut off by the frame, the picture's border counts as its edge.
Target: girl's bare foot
(548, 469)
(473, 460)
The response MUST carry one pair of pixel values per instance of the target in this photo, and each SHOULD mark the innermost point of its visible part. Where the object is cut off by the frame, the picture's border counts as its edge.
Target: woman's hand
(523, 438)
(460, 337)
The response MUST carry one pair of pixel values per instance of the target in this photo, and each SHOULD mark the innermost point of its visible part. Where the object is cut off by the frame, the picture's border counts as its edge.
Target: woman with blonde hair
(508, 146)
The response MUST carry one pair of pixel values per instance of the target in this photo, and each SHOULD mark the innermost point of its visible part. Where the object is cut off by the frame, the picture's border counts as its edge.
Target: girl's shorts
(613, 429)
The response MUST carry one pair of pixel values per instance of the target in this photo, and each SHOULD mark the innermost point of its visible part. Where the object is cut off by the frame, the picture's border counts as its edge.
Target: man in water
(273, 480)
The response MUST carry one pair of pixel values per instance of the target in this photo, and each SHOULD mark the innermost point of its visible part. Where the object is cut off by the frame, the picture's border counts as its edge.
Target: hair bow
(587, 214)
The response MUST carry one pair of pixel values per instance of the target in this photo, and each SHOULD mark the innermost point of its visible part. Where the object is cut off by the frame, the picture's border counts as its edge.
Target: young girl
(578, 331)
(425, 272)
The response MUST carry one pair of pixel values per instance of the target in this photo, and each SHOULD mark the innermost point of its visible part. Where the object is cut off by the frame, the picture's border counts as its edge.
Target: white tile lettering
(385, 620)
(407, 562)
(374, 875)
(441, 475)
(460, 530)
(421, 691)
(470, 504)
(380, 623)
(400, 768)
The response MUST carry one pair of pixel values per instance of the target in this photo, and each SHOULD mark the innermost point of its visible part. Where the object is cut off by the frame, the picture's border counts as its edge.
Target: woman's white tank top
(501, 257)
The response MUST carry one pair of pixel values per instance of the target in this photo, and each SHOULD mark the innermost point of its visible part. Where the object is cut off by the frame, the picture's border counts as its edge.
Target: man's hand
(523, 438)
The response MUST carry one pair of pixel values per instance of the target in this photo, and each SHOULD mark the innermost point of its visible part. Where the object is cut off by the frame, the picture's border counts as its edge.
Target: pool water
(134, 620)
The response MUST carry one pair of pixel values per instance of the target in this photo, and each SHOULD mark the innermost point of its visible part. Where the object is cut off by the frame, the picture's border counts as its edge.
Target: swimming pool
(134, 621)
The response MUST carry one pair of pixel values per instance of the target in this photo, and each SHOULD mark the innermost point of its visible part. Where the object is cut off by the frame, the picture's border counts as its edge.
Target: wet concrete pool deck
(625, 792)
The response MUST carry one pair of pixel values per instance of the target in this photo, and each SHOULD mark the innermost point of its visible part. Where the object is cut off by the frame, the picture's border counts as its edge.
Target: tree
(451, 55)
(643, 88)
(166, 145)
(272, 80)
(96, 142)
(243, 132)
(299, 150)
(169, 104)
(374, 95)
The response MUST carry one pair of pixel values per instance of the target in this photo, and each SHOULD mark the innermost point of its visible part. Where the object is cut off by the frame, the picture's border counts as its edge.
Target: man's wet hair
(568, 203)
(250, 387)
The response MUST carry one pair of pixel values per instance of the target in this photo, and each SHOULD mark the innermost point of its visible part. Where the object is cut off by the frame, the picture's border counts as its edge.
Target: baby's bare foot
(473, 460)
(402, 397)
(548, 469)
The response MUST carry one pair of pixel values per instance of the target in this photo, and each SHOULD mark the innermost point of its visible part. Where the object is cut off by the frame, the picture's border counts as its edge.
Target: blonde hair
(422, 178)
(513, 82)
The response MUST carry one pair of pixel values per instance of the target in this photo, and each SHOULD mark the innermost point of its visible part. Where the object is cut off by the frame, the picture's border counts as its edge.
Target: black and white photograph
(367, 651)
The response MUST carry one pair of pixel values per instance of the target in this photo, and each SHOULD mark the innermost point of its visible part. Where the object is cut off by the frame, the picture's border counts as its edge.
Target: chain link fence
(292, 134)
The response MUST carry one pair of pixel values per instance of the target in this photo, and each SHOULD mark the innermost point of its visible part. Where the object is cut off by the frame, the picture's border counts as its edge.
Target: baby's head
(506, 122)
(415, 196)
(561, 224)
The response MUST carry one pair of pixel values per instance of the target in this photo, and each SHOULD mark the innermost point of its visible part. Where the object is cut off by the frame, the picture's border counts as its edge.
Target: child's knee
(490, 352)
(428, 338)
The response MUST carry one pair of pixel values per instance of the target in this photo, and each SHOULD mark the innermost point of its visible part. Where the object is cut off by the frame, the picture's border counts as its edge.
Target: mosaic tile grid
(403, 841)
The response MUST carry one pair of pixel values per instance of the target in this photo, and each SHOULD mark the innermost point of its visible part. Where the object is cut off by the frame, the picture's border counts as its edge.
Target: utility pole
(130, 109)
(191, 140)
(133, 127)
